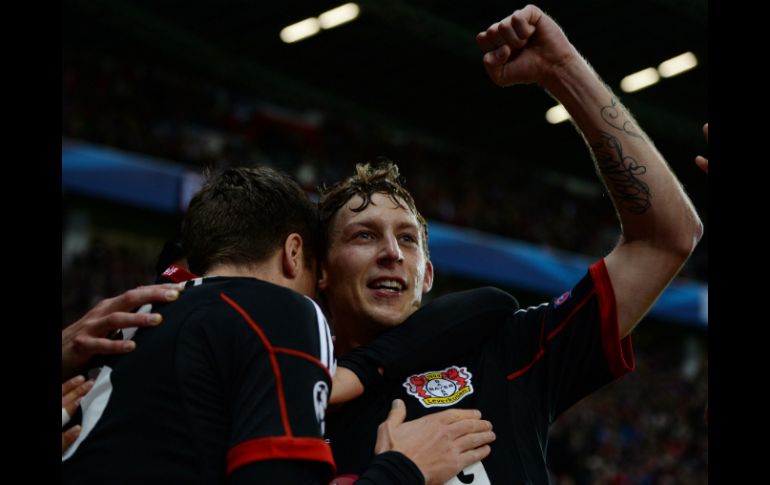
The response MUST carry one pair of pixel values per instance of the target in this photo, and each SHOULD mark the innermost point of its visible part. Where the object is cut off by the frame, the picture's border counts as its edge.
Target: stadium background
(176, 87)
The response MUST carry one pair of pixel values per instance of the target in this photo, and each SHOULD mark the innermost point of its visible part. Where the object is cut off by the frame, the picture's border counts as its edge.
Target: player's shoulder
(239, 285)
(249, 295)
(487, 299)
(247, 306)
(488, 303)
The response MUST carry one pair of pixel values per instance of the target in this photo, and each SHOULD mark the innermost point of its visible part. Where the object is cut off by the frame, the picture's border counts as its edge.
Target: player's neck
(266, 271)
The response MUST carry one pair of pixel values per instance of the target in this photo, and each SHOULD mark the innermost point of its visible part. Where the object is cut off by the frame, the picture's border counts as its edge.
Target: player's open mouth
(388, 285)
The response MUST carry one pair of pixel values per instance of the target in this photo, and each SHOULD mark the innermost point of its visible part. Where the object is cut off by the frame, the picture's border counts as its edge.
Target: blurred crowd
(104, 269)
(648, 428)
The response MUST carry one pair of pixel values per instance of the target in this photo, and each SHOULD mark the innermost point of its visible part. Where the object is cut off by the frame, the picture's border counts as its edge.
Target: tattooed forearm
(612, 116)
(621, 173)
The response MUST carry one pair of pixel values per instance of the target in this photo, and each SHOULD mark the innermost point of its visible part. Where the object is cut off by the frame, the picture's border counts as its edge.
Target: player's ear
(292, 255)
(427, 281)
(323, 276)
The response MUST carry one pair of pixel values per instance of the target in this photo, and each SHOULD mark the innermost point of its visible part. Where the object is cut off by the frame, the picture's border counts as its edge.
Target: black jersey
(233, 385)
(522, 370)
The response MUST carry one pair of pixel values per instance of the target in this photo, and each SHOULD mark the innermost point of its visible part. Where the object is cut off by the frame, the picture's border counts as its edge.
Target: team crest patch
(440, 388)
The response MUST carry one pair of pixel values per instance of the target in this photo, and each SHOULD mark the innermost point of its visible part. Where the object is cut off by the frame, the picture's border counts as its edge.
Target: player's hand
(440, 444)
(87, 337)
(525, 47)
(72, 392)
(703, 162)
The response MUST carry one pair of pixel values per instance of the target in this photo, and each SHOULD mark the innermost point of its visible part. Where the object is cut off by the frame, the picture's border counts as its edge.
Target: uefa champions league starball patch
(562, 298)
(440, 388)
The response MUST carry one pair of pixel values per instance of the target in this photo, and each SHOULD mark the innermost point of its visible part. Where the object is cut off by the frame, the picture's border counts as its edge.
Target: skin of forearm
(650, 203)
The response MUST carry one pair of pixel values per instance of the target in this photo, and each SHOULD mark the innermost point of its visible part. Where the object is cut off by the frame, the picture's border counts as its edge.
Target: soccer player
(531, 364)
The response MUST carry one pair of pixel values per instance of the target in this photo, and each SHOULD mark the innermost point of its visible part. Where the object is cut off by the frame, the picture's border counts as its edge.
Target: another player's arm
(88, 336)
(660, 227)
(346, 386)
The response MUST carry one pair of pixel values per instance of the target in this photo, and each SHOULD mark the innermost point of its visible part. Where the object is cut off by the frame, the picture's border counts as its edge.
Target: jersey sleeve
(565, 349)
(261, 376)
(391, 467)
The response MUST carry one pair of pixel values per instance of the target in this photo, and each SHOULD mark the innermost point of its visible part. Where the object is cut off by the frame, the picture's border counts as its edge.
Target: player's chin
(389, 315)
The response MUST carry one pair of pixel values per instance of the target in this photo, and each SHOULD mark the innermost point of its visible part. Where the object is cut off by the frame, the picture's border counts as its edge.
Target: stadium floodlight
(677, 65)
(640, 80)
(301, 30)
(557, 114)
(338, 16)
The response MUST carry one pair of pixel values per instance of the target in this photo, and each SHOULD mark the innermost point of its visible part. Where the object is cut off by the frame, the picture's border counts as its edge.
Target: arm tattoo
(611, 114)
(622, 175)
